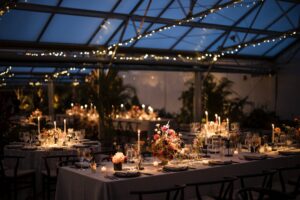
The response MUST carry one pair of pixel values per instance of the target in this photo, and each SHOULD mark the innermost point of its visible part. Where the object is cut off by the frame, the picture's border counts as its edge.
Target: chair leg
(43, 188)
(15, 190)
(34, 187)
(48, 190)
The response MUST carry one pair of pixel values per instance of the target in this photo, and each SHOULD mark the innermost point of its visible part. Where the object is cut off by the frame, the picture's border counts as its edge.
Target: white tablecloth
(76, 184)
(33, 159)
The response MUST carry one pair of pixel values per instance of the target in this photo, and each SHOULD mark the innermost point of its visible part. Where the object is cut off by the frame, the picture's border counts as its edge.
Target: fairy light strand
(7, 6)
(181, 22)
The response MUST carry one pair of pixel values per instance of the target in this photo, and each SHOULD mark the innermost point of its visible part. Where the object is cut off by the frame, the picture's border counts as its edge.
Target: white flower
(118, 158)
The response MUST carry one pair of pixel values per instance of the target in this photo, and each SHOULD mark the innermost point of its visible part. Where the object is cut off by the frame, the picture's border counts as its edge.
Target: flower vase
(164, 161)
(118, 166)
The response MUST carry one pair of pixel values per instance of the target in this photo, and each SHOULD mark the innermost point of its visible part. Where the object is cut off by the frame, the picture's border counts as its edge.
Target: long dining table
(78, 184)
(33, 157)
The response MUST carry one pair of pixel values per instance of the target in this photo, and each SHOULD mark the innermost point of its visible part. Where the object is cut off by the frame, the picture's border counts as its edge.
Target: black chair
(100, 156)
(225, 192)
(13, 180)
(265, 178)
(259, 193)
(290, 177)
(173, 193)
(49, 176)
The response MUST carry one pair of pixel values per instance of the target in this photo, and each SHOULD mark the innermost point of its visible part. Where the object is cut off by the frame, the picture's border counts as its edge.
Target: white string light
(6, 6)
(181, 22)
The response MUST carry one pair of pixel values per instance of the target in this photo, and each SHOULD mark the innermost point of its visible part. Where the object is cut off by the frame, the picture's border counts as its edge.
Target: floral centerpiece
(51, 136)
(166, 143)
(117, 160)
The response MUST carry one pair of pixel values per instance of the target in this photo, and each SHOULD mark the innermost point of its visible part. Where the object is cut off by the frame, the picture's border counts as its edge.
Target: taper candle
(65, 126)
(39, 125)
(206, 116)
(139, 138)
(273, 134)
(54, 125)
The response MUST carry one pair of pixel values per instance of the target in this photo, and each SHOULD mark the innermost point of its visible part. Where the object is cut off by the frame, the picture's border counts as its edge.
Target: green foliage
(31, 99)
(186, 111)
(108, 91)
(216, 99)
(216, 95)
(259, 118)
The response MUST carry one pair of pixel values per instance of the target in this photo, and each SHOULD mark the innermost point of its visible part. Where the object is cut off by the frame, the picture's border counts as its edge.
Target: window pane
(100, 5)
(42, 2)
(22, 25)
(198, 39)
(71, 29)
(106, 31)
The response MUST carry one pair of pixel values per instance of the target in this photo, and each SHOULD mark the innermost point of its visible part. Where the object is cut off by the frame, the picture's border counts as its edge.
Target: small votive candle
(155, 163)
(205, 162)
(269, 149)
(94, 167)
(236, 152)
(103, 169)
(261, 150)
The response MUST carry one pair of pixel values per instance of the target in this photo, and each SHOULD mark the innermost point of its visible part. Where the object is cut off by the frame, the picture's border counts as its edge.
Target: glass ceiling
(25, 25)
(77, 23)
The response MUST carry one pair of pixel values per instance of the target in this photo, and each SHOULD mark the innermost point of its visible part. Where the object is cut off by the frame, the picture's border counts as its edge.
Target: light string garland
(200, 57)
(5, 6)
(181, 22)
(4, 75)
(203, 56)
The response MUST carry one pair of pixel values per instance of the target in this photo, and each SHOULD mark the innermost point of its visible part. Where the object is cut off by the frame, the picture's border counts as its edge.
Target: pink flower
(164, 128)
(156, 137)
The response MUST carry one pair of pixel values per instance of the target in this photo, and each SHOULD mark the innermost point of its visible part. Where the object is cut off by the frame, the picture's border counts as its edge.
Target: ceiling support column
(197, 108)
(50, 99)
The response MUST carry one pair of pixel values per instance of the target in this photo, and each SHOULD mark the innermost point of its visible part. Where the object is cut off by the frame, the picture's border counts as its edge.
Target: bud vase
(118, 166)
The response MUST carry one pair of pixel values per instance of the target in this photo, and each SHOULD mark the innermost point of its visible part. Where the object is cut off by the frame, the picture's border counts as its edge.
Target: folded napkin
(254, 156)
(220, 162)
(127, 174)
(175, 168)
(289, 152)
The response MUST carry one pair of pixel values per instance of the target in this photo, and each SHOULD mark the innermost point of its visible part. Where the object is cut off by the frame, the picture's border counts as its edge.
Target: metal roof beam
(103, 14)
(123, 23)
(232, 27)
(103, 22)
(189, 30)
(48, 22)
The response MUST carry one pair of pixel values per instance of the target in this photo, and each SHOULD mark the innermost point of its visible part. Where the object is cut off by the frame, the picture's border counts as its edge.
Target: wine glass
(87, 155)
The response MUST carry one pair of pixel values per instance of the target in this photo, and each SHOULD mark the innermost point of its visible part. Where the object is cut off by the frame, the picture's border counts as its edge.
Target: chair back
(265, 178)
(173, 193)
(14, 165)
(284, 176)
(226, 186)
(53, 162)
(100, 156)
(259, 193)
